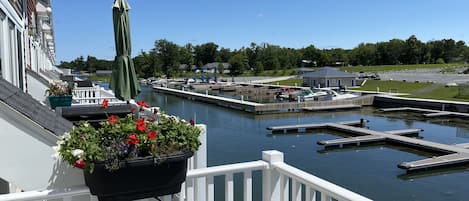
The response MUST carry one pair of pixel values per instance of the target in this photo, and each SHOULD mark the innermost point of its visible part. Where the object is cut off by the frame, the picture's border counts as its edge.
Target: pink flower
(142, 104)
(80, 163)
(132, 109)
(151, 135)
(192, 122)
(105, 103)
(112, 119)
(155, 111)
(133, 140)
(141, 126)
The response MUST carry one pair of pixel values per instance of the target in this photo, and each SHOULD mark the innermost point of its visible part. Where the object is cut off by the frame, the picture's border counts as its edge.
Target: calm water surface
(235, 136)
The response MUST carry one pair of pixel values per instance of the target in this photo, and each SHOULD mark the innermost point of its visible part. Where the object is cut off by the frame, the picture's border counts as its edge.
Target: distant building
(210, 67)
(185, 67)
(329, 77)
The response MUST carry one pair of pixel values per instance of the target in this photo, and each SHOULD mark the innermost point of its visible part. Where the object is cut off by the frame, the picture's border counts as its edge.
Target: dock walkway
(428, 112)
(300, 127)
(453, 154)
(332, 107)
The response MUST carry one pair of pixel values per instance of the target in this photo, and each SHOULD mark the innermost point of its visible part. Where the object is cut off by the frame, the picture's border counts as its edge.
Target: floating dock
(302, 127)
(428, 112)
(452, 154)
(367, 138)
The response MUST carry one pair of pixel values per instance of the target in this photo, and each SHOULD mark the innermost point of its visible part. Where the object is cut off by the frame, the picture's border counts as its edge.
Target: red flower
(142, 104)
(132, 109)
(80, 163)
(105, 103)
(133, 140)
(141, 126)
(155, 111)
(151, 135)
(192, 122)
(112, 119)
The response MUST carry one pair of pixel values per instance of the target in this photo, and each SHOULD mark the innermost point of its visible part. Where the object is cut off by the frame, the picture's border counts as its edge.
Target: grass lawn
(416, 90)
(442, 93)
(384, 68)
(100, 78)
(289, 82)
(393, 86)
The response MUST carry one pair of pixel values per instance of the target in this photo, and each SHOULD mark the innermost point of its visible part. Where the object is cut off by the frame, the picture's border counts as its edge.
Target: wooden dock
(332, 107)
(437, 161)
(366, 138)
(261, 108)
(428, 112)
(452, 154)
(302, 127)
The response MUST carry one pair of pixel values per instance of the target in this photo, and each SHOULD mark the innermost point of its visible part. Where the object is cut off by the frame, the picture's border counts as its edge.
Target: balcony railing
(92, 95)
(277, 180)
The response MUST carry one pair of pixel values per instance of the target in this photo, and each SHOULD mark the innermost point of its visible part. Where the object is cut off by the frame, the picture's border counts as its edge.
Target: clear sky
(84, 27)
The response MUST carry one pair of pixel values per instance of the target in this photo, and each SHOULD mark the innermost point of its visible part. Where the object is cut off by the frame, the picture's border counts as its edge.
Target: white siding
(26, 154)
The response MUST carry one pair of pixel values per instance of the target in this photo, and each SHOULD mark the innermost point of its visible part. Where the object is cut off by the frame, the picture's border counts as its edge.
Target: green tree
(186, 55)
(169, 54)
(258, 68)
(224, 55)
(147, 65)
(412, 50)
(238, 63)
(220, 68)
(205, 53)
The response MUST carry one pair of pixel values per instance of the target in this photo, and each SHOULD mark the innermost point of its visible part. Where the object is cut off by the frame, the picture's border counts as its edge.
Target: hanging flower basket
(139, 178)
(60, 101)
(60, 95)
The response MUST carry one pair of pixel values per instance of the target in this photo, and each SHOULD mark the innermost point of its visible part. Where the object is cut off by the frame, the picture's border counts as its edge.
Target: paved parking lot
(425, 75)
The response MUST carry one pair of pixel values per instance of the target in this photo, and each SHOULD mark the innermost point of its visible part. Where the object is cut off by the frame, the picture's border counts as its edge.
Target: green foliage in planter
(120, 139)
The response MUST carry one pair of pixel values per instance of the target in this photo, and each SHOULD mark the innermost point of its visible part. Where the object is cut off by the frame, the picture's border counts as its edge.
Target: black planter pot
(139, 178)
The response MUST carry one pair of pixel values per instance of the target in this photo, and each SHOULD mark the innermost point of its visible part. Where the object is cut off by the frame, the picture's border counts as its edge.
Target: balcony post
(270, 177)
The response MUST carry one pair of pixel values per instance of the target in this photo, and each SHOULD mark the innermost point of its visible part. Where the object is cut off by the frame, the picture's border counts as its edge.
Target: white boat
(311, 95)
(316, 93)
(338, 96)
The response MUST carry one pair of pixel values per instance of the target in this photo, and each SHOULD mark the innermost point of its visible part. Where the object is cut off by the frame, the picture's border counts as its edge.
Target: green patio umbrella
(123, 80)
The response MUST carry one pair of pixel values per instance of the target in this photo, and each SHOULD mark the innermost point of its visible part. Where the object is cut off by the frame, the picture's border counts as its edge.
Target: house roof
(32, 109)
(326, 72)
(214, 65)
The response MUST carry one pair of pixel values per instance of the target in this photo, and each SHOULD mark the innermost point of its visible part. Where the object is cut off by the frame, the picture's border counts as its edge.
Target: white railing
(92, 95)
(277, 178)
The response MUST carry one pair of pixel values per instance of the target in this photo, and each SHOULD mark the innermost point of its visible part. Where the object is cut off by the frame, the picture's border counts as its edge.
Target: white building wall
(36, 88)
(11, 25)
(27, 154)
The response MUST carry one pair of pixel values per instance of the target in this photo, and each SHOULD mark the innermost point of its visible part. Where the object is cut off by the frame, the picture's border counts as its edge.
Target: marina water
(235, 136)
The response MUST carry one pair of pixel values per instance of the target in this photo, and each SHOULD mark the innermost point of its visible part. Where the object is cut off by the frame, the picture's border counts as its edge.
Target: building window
(2, 43)
(20, 59)
(18, 6)
(12, 48)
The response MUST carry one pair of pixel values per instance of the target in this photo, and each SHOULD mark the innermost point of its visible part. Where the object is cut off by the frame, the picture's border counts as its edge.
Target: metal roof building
(329, 77)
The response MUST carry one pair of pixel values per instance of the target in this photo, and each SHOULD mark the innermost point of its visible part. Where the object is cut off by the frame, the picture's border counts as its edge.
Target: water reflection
(235, 136)
(411, 175)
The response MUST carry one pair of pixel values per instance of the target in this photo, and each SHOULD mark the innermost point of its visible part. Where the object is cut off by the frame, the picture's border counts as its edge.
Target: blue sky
(84, 27)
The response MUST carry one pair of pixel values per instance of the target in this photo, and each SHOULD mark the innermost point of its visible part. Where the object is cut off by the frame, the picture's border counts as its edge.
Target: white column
(271, 185)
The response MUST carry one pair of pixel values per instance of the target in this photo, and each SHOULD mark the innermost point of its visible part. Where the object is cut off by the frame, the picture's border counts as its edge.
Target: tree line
(170, 59)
